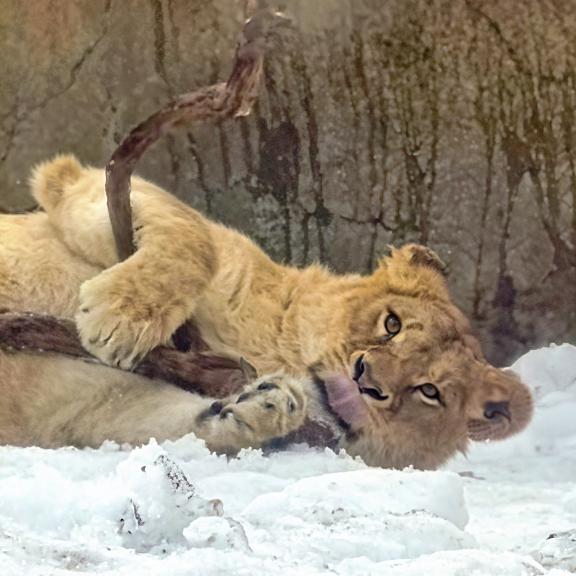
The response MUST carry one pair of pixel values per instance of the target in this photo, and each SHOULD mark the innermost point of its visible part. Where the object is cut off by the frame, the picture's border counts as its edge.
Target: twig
(197, 372)
(194, 370)
(218, 102)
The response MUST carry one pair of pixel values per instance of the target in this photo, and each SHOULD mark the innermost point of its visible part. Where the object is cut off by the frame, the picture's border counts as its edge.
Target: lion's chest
(247, 325)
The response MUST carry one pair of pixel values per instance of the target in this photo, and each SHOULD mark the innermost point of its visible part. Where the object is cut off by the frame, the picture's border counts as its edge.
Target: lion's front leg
(136, 305)
(270, 408)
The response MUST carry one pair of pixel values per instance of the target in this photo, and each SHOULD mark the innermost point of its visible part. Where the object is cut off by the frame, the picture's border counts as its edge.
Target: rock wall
(448, 122)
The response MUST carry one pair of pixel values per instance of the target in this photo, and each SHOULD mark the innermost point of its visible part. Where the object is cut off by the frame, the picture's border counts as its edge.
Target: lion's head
(419, 388)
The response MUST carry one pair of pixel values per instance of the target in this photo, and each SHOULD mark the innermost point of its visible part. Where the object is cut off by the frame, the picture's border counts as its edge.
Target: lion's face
(419, 388)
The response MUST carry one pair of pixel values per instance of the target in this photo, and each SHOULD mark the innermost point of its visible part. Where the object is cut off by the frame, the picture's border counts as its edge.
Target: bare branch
(196, 372)
(218, 102)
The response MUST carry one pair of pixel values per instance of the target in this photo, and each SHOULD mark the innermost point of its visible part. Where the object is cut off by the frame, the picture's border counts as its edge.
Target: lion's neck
(315, 327)
(277, 317)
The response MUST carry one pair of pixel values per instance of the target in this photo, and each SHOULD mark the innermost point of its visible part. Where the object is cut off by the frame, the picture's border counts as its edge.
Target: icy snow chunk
(558, 551)
(551, 374)
(216, 532)
(386, 537)
(548, 370)
(370, 492)
(372, 513)
(450, 563)
(162, 500)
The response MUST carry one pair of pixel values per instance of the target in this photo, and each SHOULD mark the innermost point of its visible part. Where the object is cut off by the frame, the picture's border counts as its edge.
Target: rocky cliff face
(449, 122)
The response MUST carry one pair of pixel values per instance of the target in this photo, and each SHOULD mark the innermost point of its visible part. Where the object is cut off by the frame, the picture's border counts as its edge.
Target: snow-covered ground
(176, 509)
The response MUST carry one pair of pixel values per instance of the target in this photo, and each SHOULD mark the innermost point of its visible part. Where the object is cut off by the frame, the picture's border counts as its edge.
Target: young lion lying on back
(419, 387)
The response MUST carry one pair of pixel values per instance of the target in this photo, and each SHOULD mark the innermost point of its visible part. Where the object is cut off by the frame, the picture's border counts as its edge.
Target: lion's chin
(345, 400)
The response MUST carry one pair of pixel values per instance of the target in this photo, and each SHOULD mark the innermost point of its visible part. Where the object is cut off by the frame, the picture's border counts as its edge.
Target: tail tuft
(49, 179)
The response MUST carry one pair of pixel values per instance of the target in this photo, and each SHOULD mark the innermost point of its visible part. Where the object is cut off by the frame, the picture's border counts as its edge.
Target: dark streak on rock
(201, 179)
(307, 100)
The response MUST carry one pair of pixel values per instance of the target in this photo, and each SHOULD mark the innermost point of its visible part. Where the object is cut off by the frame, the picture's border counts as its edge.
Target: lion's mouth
(482, 430)
(345, 399)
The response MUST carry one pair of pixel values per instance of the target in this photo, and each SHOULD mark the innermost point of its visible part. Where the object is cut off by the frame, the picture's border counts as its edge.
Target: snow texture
(507, 508)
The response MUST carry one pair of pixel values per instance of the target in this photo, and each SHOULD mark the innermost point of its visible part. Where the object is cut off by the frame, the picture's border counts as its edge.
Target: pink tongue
(345, 399)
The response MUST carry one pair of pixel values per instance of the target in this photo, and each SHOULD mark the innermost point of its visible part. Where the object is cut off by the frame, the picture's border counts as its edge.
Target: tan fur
(55, 401)
(278, 317)
(49, 178)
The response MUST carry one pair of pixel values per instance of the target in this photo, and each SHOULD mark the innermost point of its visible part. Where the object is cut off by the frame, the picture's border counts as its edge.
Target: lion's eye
(392, 324)
(430, 392)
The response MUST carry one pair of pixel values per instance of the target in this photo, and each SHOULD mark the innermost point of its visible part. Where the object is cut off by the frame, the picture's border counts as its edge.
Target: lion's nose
(494, 409)
(359, 368)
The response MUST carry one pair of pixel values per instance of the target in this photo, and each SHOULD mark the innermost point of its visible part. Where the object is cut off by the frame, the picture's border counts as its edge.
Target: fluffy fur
(54, 402)
(278, 317)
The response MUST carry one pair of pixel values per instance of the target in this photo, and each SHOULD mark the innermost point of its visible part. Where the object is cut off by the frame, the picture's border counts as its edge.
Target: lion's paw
(270, 408)
(118, 322)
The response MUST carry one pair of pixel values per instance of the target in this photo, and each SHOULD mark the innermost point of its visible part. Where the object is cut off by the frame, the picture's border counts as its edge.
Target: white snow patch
(178, 510)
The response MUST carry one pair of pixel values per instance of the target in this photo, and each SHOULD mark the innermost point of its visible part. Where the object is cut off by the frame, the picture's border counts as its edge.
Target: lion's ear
(423, 256)
(417, 255)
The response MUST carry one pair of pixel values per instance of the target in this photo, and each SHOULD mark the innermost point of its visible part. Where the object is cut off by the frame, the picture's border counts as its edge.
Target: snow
(177, 509)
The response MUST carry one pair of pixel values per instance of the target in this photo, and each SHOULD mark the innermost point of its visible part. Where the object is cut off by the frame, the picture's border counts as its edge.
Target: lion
(399, 370)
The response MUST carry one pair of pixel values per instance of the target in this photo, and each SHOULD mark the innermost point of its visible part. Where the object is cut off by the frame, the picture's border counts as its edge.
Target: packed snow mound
(507, 508)
(559, 549)
(149, 500)
(371, 492)
(549, 370)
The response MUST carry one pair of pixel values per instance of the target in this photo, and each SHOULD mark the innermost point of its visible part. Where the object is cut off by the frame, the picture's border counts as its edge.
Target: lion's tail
(49, 179)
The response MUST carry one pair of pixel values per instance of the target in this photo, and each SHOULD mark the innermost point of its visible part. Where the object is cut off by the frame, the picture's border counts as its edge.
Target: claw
(224, 413)
(267, 386)
(243, 397)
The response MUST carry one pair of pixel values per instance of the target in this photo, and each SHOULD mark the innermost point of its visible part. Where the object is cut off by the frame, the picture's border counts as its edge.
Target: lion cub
(401, 372)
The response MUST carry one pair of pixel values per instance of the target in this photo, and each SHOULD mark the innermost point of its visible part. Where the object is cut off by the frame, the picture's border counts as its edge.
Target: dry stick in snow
(218, 102)
(202, 373)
